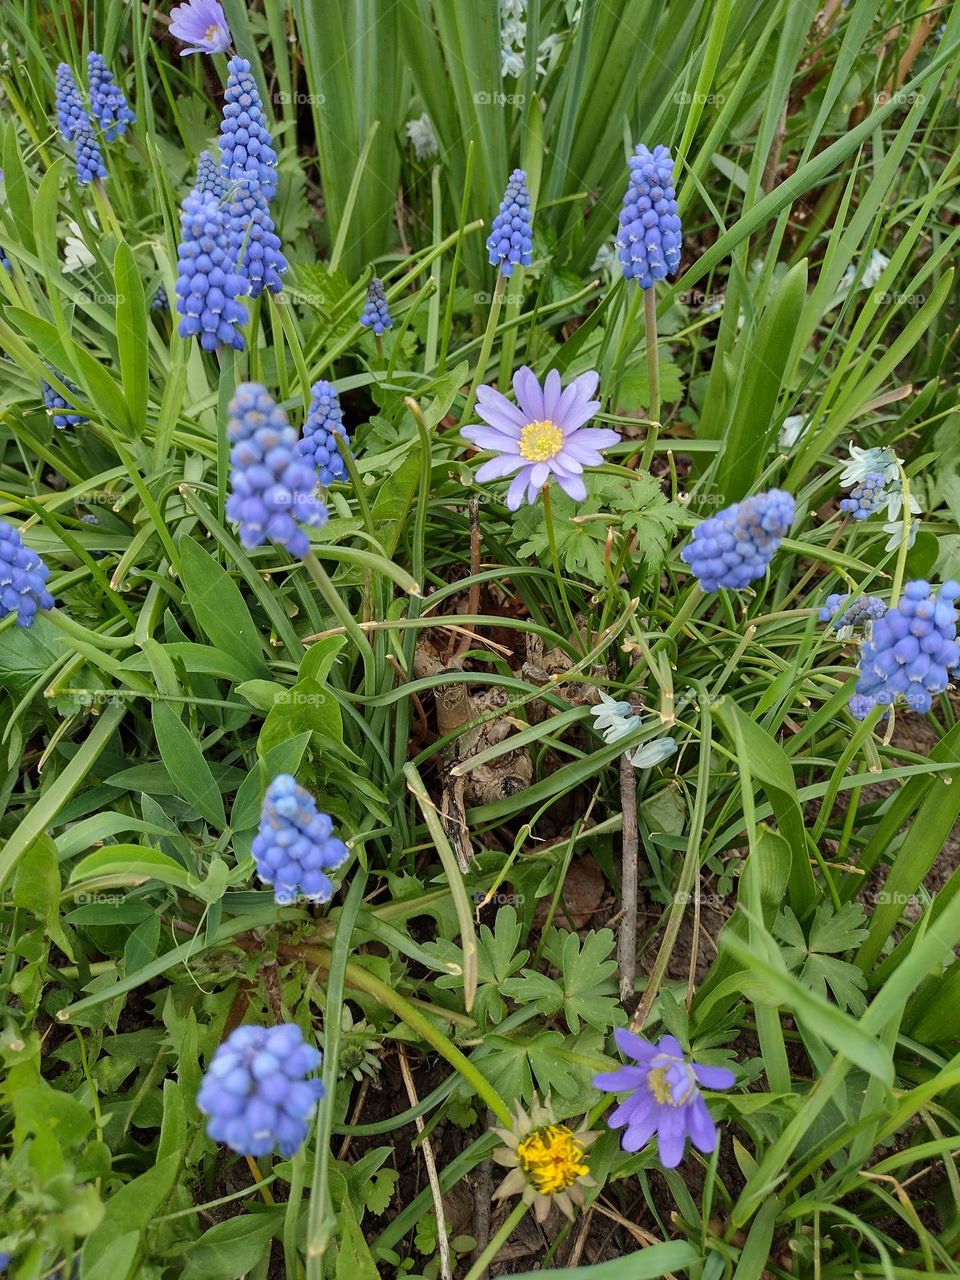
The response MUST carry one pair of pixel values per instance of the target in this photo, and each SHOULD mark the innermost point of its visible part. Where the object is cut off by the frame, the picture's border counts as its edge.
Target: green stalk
(402, 716)
(497, 1243)
(555, 559)
(343, 615)
(363, 980)
(487, 345)
(682, 616)
(292, 1216)
(77, 631)
(321, 1220)
(653, 376)
(904, 548)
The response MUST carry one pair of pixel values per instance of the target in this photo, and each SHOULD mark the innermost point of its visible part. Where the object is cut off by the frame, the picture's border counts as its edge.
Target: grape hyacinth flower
(208, 285)
(70, 108)
(912, 651)
(649, 237)
(160, 301)
(866, 496)
(201, 25)
(510, 242)
(733, 548)
(254, 242)
(664, 1098)
(23, 578)
(61, 410)
(860, 706)
(86, 151)
(272, 488)
(259, 1092)
(844, 617)
(210, 179)
(246, 147)
(324, 423)
(376, 313)
(295, 846)
(542, 437)
(107, 102)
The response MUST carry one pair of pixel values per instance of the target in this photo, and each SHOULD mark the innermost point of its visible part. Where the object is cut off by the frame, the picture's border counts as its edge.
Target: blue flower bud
(649, 238)
(107, 102)
(254, 243)
(70, 109)
(733, 548)
(839, 614)
(867, 496)
(318, 444)
(208, 286)
(23, 578)
(61, 410)
(272, 487)
(245, 142)
(912, 650)
(87, 155)
(510, 242)
(295, 846)
(259, 1092)
(376, 313)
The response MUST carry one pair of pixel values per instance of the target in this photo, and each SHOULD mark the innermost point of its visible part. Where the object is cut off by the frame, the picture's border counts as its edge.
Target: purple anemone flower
(542, 436)
(664, 1097)
(200, 24)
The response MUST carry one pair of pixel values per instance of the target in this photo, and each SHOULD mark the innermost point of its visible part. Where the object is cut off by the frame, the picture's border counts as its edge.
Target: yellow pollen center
(211, 32)
(661, 1090)
(540, 441)
(552, 1159)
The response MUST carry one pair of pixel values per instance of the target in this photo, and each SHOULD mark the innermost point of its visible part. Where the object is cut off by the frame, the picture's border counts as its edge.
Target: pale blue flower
(615, 720)
(864, 461)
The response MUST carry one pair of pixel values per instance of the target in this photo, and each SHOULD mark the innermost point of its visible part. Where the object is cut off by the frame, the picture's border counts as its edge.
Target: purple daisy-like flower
(542, 437)
(664, 1097)
(202, 25)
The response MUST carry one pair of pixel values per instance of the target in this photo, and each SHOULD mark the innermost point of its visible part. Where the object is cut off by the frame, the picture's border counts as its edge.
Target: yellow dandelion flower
(547, 1161)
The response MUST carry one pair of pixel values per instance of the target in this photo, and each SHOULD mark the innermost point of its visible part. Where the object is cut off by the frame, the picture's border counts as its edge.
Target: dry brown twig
(446, 1271)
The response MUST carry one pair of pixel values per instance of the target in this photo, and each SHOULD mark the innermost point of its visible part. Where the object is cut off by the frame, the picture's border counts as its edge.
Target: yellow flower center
(660, 1087)
(540, 441)
(212, 32)
(552, 1159)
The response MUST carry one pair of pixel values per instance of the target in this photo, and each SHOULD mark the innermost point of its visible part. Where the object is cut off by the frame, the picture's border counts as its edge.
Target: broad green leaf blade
(185, 762)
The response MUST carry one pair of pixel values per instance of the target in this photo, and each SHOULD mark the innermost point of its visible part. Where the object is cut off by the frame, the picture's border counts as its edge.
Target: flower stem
(682, 616)
(487, 345)
(901, 568)
(80, 632)
(291, 1217)
(555, 558)
(343, 615)
(497, 1243)
(108, 219)
(630, 836)
(653, 376)
(363, 980)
